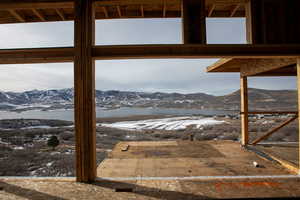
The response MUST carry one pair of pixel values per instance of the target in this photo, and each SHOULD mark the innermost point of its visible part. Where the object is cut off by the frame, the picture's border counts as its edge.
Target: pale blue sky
(173, 75)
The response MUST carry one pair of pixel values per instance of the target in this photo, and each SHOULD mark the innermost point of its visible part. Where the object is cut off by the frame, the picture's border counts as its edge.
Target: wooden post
(298, 84)
(193, 21)
(244, 111)
(84, 84)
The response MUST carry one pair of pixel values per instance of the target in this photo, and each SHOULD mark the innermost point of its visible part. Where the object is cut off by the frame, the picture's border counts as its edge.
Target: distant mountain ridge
(63, 98)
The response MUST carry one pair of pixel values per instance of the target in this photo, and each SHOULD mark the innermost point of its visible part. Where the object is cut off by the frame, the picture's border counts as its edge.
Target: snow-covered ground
(174, 123)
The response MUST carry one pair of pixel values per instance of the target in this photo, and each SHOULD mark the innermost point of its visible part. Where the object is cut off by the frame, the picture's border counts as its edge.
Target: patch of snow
(33, 127)
(174, 123)
(54, 153)
(18, 148)
(49, 164)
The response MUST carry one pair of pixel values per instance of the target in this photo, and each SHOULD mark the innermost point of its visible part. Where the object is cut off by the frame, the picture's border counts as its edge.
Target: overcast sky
(173, 75)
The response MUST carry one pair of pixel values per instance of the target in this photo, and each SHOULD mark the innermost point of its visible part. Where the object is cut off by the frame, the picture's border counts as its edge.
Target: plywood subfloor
(185, 159)
(165, 162)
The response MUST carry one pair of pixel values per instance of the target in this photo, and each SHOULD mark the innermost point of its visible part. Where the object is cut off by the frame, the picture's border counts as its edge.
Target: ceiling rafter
(211, 10)
(234, 10)
(142, 11)
(17, 15)
(119, 11)
(164, 8)
(38, 14)
(104, 10)
(61, 14)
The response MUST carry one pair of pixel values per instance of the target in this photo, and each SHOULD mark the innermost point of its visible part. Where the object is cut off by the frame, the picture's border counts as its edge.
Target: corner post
(84, 91)
(244, 111)
(193, 21)
(298, 86)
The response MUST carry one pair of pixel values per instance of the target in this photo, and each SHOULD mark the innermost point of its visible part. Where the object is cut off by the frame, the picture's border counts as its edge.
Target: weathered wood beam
(60, 14)
(258, 66)
(244, 111)
(193, 21)
(269, 133)
(37, 4)
(234, 10)
(65, 54)
(119, 11)
(38, 14)
(105, 12)
(259, 112)
(39, 55)
(225, 65)
(17, 15)
(195, 51)
(211, 10)
(84, 91)
(285, 71)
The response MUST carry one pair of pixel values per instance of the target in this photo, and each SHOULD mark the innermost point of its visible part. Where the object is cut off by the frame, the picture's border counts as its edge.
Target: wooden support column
(298, 84)
(244, 111)
(84, 84)
(193, 21)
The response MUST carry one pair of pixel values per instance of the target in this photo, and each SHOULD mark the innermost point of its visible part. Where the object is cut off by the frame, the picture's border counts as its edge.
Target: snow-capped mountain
(63, 99)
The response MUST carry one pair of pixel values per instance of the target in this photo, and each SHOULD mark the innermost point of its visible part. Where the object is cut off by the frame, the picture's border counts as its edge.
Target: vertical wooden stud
(193, 21)
(298, 85)
(84, 89)
(244, 111)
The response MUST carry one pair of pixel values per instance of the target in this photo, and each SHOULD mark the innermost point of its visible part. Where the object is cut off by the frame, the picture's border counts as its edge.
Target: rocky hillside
(63, 99)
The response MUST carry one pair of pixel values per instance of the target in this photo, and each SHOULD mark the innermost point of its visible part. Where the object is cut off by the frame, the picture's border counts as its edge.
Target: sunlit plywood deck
(185, 159)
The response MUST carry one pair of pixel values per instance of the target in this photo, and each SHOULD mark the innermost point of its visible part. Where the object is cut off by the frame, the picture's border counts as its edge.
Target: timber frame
(260, 57)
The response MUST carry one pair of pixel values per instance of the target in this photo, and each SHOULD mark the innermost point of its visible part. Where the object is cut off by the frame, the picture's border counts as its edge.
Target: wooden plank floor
(184, 159)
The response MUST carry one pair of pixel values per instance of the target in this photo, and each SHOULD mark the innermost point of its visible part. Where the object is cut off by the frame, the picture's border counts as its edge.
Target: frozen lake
(121, 112)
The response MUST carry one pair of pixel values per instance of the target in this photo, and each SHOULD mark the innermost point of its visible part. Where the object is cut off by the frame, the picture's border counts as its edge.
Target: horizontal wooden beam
(257, 66)
(195, 51)
(39, 55)
(109, 52)
(272, 66)
(271, 112)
